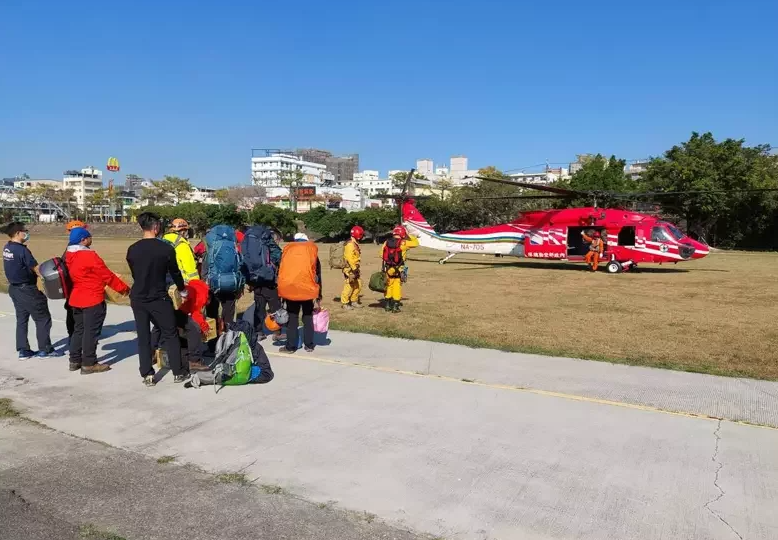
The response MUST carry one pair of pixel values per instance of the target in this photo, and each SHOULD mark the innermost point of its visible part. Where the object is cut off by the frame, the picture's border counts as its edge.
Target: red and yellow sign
(113, 164)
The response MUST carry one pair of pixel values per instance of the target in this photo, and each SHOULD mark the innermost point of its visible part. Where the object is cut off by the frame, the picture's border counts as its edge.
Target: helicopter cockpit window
(660, 234)
(677, 234)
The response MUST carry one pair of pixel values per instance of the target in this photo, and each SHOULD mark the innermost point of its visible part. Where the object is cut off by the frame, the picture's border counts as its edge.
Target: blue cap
(77, 234)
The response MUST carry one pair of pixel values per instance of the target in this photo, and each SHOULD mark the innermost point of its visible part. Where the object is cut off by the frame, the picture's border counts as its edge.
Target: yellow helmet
(179, 225)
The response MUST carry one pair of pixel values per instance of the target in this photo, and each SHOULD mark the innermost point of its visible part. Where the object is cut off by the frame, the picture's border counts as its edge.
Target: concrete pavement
(536, 447)
(64, 487)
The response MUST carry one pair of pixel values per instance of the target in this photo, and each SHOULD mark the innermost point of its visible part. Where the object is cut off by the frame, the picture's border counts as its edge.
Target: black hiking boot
(388, 305)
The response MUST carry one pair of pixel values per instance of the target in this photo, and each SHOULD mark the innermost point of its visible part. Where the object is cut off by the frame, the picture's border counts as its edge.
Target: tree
(444, 184)
(291, 178)
(178, 188)
(726, 219)
(280, 219)
(598, 174)
(170, 190)
(96, 202)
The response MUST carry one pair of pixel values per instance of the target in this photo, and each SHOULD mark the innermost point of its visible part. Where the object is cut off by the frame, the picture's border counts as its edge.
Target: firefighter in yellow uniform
(393, 256)
(349, 298)
(185, 258)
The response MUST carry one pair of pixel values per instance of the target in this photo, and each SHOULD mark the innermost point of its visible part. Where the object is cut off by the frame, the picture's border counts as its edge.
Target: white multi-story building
(543, 178)
(83, 183)
(268, 171)
(442, 172)
(364, 176)
(425, 167)
(636, 169)
(203, 195)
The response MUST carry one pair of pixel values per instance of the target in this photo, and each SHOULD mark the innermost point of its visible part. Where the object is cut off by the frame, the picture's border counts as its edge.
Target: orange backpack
(297, 272)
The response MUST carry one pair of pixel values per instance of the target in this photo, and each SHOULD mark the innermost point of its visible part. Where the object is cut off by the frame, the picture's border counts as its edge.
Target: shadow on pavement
(119, 351)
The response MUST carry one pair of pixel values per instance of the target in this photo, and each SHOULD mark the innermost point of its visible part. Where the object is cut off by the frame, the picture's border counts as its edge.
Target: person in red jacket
(90, 276)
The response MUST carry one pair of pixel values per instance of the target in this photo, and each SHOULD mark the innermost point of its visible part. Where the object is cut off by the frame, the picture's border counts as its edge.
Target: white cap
(301, 236)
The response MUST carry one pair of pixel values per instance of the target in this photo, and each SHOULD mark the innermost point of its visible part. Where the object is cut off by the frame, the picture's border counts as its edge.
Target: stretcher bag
(55, 278)
(377, 282)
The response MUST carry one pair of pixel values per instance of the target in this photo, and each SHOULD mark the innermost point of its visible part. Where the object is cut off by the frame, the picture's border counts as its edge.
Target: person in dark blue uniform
(20, 267)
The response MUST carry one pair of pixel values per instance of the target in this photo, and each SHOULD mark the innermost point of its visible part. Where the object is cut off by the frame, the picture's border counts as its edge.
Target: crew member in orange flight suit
(595, 249)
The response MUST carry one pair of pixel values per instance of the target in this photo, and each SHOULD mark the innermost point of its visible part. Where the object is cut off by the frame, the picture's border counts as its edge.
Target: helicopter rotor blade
(699, 192)
(517, 197)
(539, 187)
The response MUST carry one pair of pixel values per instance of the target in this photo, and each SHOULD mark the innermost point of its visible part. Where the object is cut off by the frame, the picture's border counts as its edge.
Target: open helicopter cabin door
(577, 248)
(547, 243)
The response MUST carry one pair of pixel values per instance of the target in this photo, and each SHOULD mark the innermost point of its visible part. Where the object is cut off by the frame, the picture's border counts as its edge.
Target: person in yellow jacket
(393, 256)
(352, 286)
(185, 258)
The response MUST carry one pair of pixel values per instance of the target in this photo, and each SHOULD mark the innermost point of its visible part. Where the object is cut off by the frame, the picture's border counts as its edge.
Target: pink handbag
(321, 321)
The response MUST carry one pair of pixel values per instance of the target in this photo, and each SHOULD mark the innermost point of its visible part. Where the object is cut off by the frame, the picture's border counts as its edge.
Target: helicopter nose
(700, 250)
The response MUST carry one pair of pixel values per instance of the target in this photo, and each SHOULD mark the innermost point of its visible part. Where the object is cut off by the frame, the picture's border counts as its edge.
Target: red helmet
(400, 231)
(357, 232)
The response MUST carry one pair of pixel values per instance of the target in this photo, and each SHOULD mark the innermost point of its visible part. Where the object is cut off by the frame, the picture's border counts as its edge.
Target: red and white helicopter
(629, 237)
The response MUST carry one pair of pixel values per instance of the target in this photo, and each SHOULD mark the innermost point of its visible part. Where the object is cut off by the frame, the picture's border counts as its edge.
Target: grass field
(718, 315)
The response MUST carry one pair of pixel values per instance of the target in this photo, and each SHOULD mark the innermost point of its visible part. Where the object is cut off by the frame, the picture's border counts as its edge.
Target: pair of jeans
(88, 322)
(292, 334)
(264, 296)
(30, 302)
(161, 313)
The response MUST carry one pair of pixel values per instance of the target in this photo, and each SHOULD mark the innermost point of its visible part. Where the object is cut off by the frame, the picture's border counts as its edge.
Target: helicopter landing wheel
(614, 267)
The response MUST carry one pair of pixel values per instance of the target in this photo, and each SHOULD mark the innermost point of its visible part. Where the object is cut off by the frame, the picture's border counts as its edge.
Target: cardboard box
(175, 296)
(211, 329)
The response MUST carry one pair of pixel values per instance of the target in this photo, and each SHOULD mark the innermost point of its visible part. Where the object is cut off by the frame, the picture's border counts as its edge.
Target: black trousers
(30, 302)
(70, 322)
(161, 313)
(227, 301)
(88, 322)
(194, 338)
(294, 320)
(264, 296)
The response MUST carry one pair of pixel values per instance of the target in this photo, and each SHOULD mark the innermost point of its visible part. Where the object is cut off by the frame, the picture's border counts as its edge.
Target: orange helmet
(400, 231)
(271, 324)
(179, 225)
(357, 232)
(72, 224)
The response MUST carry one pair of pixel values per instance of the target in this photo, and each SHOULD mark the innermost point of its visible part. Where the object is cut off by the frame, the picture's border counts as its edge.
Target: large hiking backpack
(338, 256)
(393, 254)
(222, 260)
(56, 279)
(240, 358)
(260, 255)
(297, 279)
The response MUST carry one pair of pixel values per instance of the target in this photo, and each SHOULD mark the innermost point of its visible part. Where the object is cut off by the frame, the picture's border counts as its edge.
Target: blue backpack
(261, 255)
(222, 260)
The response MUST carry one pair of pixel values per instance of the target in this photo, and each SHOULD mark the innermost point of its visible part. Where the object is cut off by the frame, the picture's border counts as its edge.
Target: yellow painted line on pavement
(536, 391)
(547, 393)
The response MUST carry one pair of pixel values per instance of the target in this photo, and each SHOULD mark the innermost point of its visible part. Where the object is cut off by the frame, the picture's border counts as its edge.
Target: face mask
(26, 236)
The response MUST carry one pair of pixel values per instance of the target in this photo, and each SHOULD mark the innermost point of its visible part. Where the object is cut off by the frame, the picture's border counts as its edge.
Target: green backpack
(378, 282)
(233, 354)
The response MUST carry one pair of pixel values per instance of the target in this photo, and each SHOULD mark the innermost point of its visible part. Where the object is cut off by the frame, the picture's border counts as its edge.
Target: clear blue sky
(169, 87)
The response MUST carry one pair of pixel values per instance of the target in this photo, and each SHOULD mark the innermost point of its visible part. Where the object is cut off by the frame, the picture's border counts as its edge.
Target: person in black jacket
(150, 261)
(21, 271)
